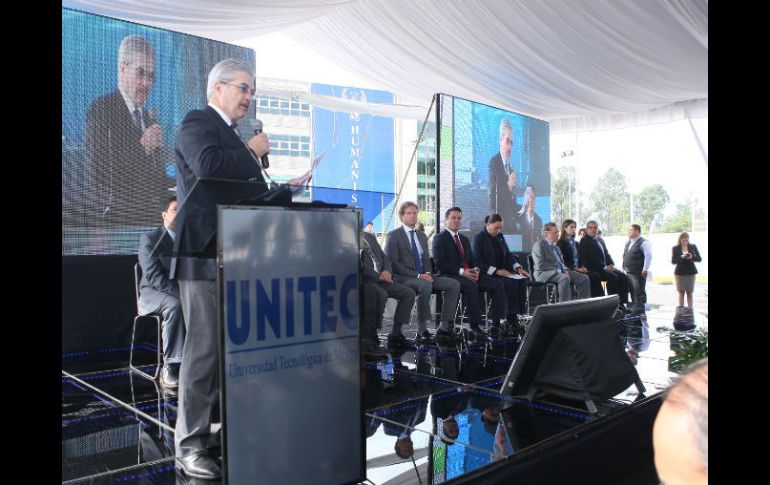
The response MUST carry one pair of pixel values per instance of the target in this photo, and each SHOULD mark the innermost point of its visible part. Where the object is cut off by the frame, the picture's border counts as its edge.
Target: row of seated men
(403, 271)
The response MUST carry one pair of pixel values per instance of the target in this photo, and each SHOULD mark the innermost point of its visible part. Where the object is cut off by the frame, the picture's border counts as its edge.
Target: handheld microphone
(261, 161)
(257, 130)
(152, 117)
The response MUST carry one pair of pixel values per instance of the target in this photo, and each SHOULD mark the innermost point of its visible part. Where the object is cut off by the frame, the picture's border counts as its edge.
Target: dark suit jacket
(383, 262)
(155, 248)
(492, 251)
(398, 247)
(526, 244)
(128, 184)
(685, 266)
(590, 255)
(566, 252)
(447, 257)
(206, 148)
(501, 199)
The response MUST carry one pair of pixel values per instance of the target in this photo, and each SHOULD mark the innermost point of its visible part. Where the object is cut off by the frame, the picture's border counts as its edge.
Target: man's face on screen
(234, 97)
(136, 77)
(506, 143)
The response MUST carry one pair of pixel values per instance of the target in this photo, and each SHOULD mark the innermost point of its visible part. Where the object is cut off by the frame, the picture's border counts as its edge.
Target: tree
(649, 205)
(611, 203)
(682, 219)
(562, 187)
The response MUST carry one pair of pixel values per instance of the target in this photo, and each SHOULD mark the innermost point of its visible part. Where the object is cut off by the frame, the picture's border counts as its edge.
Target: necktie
(416, 254)
(138, 118)
(235, 129)
(601, 251)
(558, 259)
(460, 249)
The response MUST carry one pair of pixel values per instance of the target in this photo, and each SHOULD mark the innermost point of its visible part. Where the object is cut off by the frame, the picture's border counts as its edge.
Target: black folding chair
(549, 289)
(151, 316)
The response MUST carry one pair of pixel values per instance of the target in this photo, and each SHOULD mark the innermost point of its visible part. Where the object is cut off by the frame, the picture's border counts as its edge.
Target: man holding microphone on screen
(502, 180)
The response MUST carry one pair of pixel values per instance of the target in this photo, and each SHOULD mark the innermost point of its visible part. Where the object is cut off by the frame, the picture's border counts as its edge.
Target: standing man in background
(637, 258)
(124, 142)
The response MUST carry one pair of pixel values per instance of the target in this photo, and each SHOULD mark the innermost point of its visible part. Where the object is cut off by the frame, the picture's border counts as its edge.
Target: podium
(290, 379)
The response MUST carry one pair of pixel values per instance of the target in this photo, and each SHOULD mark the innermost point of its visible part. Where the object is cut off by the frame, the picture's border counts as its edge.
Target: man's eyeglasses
(141, 72)
(245, 89)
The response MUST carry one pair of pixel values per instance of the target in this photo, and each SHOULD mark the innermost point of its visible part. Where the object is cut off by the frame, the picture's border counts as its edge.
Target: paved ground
(663, 298)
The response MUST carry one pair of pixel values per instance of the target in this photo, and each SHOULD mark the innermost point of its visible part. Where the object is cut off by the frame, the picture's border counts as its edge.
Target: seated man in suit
(594, 255)
(454, 258)
(377, 269)
(495, 259)
(407, 249)
(159, 294)
(373, 299)
(550, 267)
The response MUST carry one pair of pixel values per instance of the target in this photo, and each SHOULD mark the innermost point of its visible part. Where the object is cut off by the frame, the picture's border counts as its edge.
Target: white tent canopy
(579, 64)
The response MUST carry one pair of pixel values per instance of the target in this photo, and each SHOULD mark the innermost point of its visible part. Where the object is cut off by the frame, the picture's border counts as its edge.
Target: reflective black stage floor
(433, 413)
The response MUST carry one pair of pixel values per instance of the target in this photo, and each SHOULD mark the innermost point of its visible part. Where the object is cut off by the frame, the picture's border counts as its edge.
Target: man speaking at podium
(207, 145)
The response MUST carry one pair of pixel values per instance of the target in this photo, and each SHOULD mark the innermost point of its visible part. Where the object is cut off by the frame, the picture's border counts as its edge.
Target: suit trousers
(637, 287)
(173, 326)
(563, 283)
(374, 299)
(516, 292)
(582, 283)
(449, 287)
(596, 283)
(404, 296)
(471, 289)
(199, 373)
(617, 283)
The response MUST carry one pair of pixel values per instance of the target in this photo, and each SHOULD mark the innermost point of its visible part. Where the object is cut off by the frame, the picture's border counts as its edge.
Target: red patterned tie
(460, 248)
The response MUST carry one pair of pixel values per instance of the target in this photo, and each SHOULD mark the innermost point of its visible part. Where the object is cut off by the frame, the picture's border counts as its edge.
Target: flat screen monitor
(546, 322)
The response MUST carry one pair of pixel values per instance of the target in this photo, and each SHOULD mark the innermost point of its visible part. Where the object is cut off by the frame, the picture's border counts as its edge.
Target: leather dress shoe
(397, 340)
(478, 332)
(371, 351)
(169, 376)
(423, 337)
(199, 465)
(444, 336)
